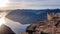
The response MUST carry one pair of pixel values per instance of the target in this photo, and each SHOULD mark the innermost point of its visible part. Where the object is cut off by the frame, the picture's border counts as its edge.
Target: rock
(5, 30)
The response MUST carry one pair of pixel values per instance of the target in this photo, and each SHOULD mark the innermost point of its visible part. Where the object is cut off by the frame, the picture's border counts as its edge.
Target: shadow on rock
(5, 30)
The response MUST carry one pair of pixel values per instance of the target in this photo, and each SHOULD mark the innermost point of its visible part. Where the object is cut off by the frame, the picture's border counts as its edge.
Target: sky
(33, 4)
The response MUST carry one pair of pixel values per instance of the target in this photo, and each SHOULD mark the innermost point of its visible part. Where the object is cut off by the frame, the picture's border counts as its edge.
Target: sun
(2, 21)
(3, 3)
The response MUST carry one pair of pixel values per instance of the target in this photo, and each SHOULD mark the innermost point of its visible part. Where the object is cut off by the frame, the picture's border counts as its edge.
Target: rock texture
(49, 26)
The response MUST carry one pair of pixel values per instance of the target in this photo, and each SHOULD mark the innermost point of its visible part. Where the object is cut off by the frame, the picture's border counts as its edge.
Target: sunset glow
(3, 3)
(2, 21)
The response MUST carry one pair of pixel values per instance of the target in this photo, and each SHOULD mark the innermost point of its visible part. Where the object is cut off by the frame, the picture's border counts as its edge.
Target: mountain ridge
(29, 16)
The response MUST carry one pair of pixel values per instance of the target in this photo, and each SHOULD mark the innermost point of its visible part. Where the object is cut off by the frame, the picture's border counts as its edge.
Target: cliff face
(5, 30)
(47, 26)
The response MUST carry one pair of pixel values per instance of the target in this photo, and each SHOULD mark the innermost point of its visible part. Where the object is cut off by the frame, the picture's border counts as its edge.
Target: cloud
(16, 26)
(26, 0)
(23, 4)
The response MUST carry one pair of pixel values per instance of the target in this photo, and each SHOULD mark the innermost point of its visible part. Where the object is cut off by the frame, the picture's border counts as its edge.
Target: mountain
(27, 16)
(5, 30)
